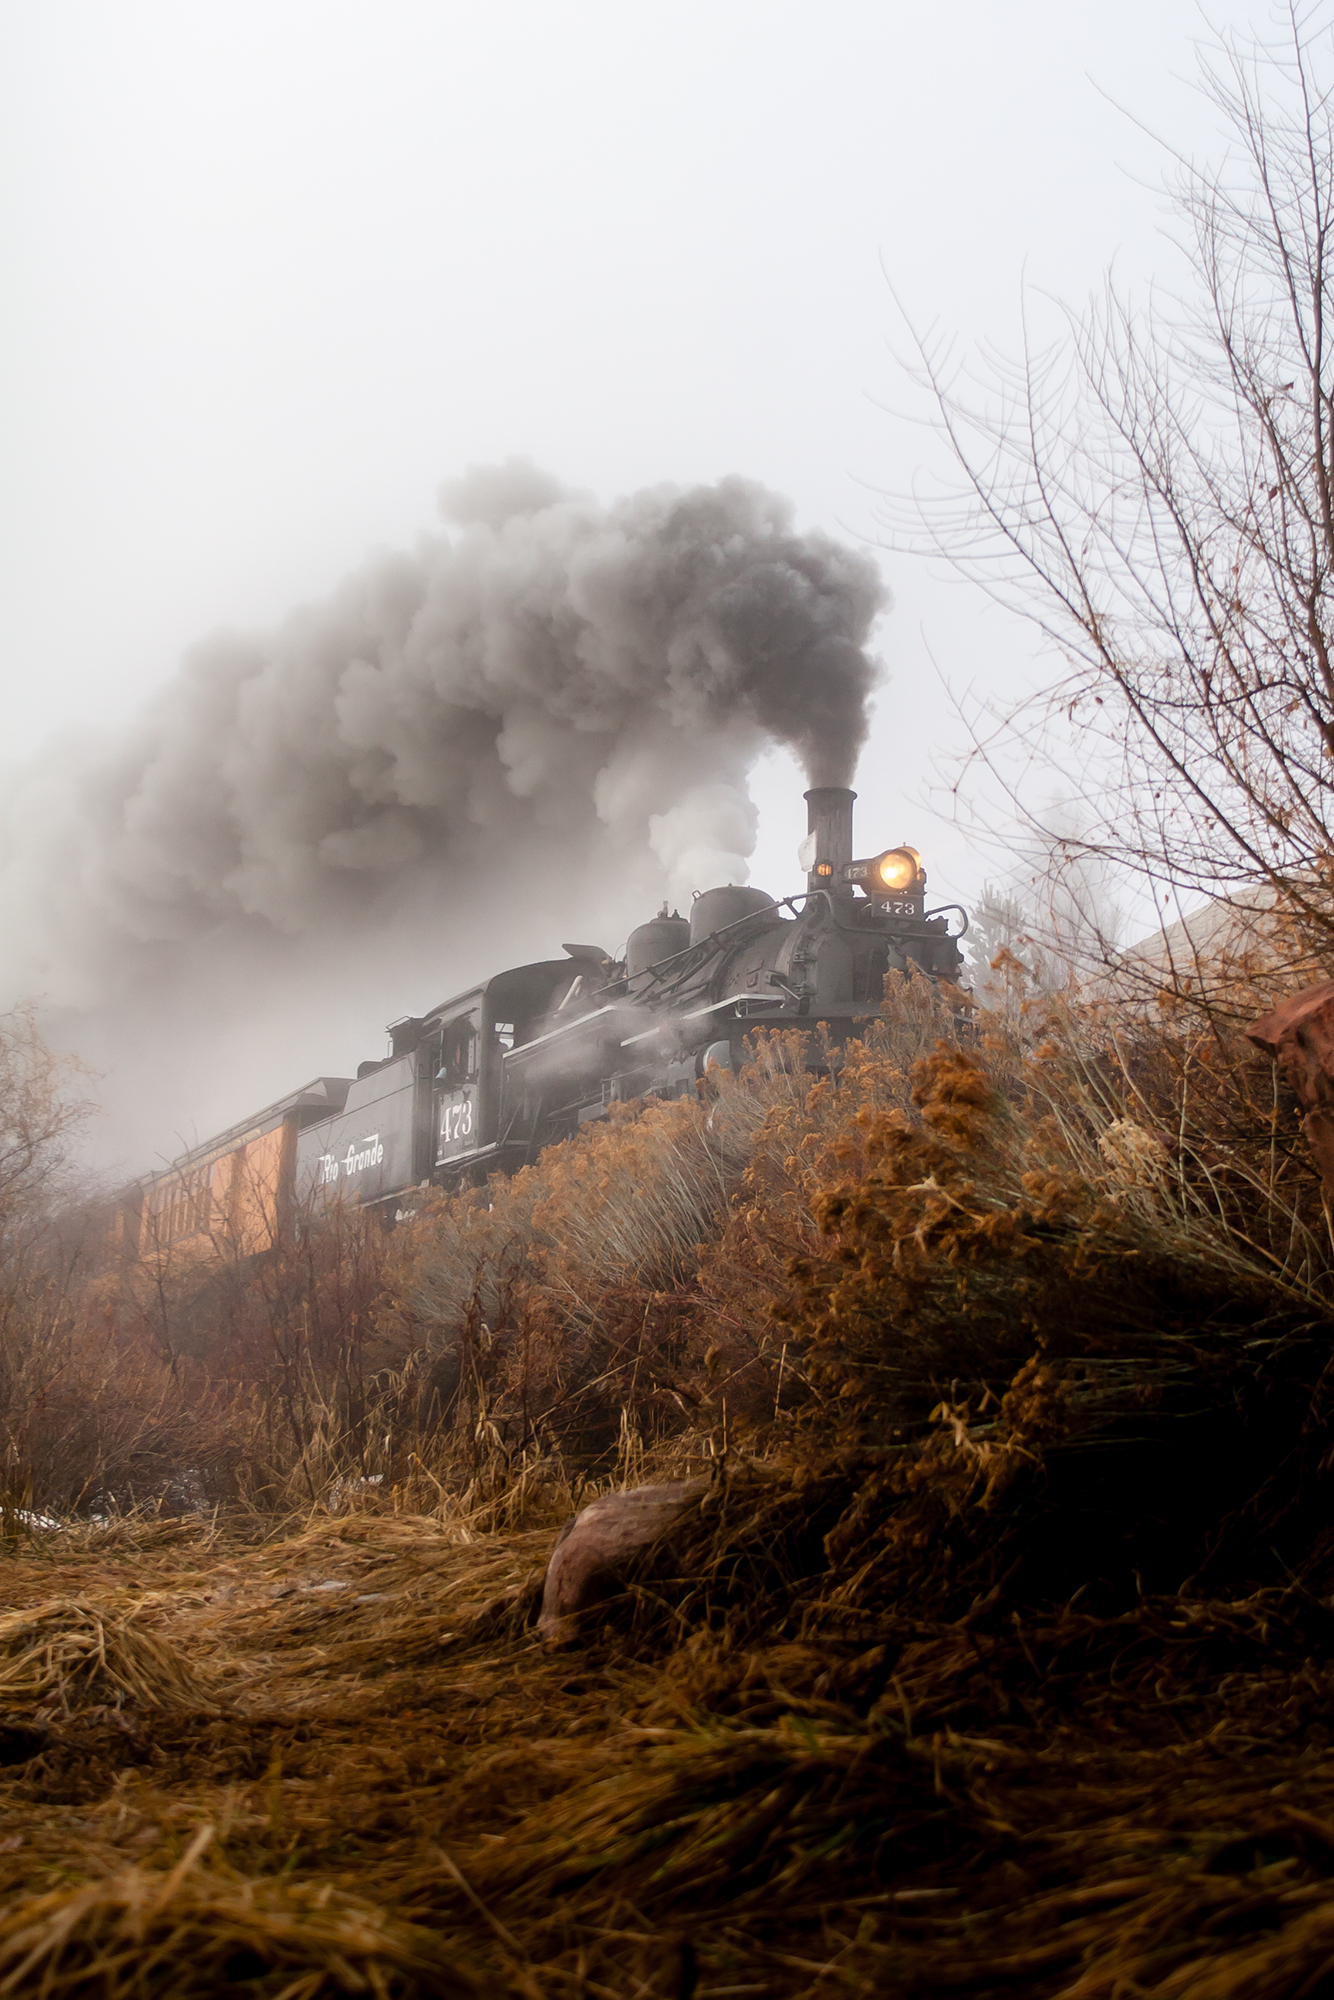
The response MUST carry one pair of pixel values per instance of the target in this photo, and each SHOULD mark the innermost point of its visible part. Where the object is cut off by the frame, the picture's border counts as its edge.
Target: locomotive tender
(483, 1082)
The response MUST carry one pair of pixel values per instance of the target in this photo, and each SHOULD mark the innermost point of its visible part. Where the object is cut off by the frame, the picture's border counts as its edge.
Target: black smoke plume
(548, 696)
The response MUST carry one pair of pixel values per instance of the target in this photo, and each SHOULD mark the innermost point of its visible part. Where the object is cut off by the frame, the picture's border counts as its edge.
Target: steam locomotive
(483, 1082)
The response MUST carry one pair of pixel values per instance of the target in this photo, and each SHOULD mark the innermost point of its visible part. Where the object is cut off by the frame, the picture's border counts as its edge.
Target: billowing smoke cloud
(548, 688)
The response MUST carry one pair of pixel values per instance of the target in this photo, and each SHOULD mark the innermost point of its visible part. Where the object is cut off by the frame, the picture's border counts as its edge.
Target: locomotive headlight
(896, 871)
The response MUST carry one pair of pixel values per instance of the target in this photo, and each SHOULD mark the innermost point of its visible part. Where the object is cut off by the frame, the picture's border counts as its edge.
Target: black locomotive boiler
(482, 1082)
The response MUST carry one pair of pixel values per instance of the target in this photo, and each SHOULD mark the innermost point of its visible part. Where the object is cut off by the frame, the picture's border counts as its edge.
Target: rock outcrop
(589, 1561)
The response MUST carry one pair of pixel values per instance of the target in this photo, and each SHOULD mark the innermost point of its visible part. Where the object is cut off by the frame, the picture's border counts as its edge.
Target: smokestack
(829, 826)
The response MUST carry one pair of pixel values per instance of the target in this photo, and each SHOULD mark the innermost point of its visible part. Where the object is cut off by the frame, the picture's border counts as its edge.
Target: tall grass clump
(792, 1261)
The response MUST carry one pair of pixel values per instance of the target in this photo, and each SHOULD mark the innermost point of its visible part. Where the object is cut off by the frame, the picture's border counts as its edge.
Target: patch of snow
(342, 1488)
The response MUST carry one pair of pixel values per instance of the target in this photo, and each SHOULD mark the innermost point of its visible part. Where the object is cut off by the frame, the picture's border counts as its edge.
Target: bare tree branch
(1155, 491)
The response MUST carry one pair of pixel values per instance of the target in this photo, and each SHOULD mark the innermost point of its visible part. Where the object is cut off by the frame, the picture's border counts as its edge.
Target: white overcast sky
(273, 271)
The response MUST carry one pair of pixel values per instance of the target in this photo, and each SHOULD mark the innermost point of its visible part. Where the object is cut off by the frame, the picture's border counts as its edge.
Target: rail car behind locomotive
(483, 1082)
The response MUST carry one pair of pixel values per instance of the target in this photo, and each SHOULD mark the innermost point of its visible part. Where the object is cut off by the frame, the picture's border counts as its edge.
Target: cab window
(458, 1053)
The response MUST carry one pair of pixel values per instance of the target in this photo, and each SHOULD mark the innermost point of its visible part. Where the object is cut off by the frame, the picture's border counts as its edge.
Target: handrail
(653, 973)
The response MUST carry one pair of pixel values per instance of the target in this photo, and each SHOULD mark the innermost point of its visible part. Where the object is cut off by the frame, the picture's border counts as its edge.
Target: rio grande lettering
(362, 1153)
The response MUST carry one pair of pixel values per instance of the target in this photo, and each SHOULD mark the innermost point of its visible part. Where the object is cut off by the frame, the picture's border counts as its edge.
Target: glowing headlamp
(897, 872)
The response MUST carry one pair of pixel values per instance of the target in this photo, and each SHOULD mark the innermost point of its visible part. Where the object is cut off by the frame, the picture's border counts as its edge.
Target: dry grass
(71, 1653)
(196, 1932)
(997, 1658)
(400, 1795)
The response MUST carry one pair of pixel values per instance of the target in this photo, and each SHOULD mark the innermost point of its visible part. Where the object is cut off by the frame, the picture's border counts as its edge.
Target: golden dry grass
(391, 1789)
(1002, 1664)
(70, 1653)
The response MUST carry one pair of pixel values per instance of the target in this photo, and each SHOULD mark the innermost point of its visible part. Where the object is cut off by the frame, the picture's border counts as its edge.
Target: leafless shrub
(1155, 491)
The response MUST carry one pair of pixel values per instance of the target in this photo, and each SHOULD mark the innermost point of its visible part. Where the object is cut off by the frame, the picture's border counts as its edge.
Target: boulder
(1299, 1036)
(594, 1550)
